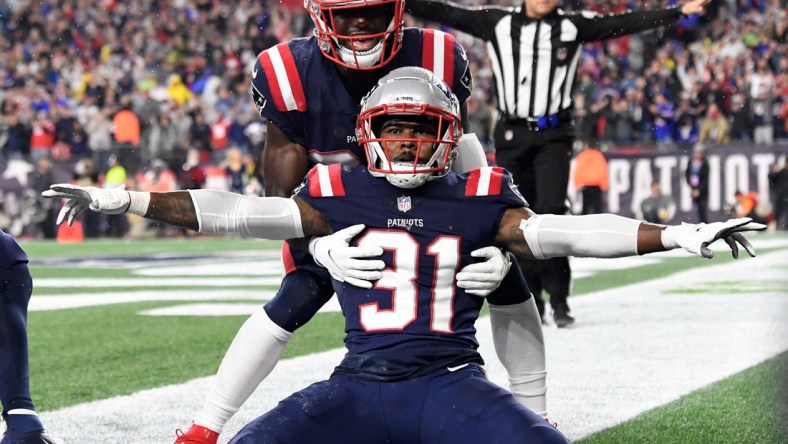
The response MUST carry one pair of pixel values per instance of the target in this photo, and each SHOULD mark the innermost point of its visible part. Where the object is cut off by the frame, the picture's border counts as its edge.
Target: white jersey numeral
(402, 278)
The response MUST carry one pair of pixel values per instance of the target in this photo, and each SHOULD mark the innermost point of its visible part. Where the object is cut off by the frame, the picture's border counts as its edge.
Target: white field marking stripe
(219, 267)
(438, 57)
(45, 303)
(219, 309)
(155, 282)
(634, 348)
(324, 181)
(282, 78)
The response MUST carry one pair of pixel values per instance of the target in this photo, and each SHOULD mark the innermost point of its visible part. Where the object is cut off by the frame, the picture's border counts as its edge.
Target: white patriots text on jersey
(405, 223)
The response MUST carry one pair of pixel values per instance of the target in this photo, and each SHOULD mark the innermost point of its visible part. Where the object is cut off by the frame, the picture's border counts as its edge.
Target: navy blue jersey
(299, 89)
(427, 234)
(10, 252)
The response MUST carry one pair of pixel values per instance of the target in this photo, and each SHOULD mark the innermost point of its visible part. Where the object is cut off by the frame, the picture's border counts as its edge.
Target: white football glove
(697, 238)
(483, 278)
(346, 263)
(103, 200)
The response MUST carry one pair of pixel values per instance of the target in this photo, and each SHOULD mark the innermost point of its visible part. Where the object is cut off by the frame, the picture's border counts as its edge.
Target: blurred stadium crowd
(154, 94)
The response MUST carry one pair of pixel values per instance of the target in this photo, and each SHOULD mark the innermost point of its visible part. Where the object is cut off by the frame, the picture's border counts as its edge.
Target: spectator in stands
(741, 128)
(583, 119)
(42, 179)
(622, 121)
(200, 135)
(17, 144)
(591, 179)
(763, 131)
(158, 178)
(745, 205)
(42, 136)
(697, 176)
(87, 175)
(663, 112)
(658, 208)
(127, 137)
(641, 116)
(252, 176)
(714, 128)
(234, 169)
(117, 224)
(192, 174)
(686, 121)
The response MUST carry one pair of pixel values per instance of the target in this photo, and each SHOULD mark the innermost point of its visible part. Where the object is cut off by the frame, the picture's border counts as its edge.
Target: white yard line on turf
(634, 348)
(191, 281)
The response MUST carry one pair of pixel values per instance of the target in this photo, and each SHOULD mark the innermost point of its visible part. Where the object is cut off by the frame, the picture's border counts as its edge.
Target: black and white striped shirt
(534, 61)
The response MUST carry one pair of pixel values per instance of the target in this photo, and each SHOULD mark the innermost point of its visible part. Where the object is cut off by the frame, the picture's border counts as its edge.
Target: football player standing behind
(309, 91)
(23, 426)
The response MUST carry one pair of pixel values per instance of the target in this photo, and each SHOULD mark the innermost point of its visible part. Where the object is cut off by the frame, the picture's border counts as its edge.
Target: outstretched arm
(606, 235)
(601, 27)
(206, 211)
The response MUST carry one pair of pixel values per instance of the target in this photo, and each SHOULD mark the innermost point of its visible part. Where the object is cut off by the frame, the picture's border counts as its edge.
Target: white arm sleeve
(470, 154)
(274, 218)
(519, 344)
(596, 235)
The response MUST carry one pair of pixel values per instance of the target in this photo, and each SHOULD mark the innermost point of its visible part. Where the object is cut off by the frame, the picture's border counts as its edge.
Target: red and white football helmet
(411, 94)
(358, 51)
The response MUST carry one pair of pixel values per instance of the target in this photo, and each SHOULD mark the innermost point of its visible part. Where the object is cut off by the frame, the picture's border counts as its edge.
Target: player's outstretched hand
(697, 238)
(103, 200)
(483, 278)
(346, 263)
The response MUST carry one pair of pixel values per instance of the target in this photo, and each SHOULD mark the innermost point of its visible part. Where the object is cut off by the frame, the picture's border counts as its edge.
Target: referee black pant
(539, 162)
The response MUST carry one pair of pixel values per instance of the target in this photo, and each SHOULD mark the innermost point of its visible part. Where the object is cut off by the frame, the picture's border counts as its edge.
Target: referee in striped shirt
(534, 49)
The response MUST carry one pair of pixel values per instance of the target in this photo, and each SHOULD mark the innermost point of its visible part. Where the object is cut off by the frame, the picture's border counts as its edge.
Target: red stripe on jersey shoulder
(292, 76)
(428, 54)
(428, 50)
(493, 181)
(273, 81)
(473, 182)
(496, 179)
(335, 174)
(314, 182)
(334, 187)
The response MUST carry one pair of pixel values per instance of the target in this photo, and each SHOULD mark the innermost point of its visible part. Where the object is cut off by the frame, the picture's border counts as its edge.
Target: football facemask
(413, 97)
(357, 51)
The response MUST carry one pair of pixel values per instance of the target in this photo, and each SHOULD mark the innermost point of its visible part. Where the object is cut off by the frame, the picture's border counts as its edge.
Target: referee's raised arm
(477, 21)
(592, 27)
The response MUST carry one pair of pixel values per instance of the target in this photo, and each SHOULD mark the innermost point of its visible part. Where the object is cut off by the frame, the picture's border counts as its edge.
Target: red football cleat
(196, 434)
